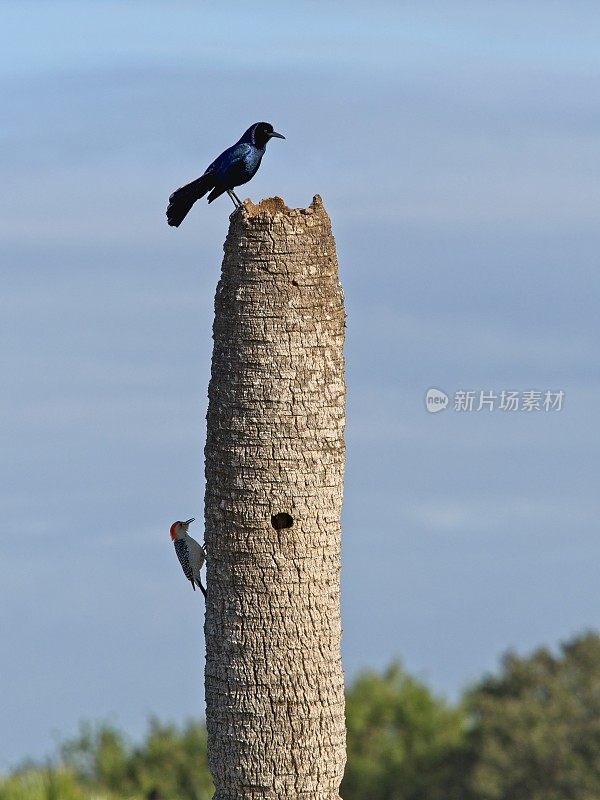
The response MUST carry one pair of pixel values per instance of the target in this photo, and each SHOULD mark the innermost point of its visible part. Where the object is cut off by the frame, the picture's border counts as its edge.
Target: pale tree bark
(274, 472)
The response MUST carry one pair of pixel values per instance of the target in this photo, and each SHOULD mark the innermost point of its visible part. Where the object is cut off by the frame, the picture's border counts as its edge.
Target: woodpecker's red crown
(174, 529)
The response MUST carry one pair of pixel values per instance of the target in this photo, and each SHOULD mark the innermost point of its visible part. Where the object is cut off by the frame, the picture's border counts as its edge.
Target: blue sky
(456, 146)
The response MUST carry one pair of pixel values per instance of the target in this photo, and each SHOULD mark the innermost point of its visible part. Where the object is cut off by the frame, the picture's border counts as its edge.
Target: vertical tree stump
(274, 472)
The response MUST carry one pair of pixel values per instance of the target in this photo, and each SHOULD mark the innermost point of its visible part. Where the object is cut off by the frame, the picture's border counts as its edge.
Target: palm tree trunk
(274, 473)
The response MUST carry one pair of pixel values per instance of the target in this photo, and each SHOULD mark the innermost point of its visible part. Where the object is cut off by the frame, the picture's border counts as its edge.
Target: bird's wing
(230, 158)
(182, 555)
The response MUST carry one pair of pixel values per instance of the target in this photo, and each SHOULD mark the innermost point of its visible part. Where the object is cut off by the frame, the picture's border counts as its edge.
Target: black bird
(233, 167)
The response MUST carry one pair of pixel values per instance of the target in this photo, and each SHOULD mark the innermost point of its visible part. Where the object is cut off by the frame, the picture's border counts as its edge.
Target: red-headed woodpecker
(191, 555)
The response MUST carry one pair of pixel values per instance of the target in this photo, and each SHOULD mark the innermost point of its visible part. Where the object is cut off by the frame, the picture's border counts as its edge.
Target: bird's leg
(235, 199)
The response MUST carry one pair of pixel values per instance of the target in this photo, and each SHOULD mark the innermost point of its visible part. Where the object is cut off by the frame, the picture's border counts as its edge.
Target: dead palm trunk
(274, 471)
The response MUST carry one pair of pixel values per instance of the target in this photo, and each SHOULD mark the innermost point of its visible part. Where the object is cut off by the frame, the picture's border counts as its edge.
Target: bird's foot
(234, 199)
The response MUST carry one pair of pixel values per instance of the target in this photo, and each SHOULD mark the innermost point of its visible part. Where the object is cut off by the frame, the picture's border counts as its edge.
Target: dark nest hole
(281, 521)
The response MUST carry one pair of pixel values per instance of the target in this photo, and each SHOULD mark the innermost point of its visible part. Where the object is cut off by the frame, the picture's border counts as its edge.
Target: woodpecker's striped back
(182, 554)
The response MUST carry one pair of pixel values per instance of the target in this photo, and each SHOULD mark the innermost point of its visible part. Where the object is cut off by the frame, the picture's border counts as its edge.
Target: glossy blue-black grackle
(233, 167)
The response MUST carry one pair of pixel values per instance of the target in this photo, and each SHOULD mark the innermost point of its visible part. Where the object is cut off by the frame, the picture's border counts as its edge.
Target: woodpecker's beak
(276, 135)
(188, 521)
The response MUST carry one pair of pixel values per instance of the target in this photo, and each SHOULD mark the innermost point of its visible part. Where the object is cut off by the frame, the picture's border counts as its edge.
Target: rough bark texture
(275, 457)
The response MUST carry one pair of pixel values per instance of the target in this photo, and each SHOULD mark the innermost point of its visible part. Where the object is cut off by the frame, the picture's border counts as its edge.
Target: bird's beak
(187, 522)
(276, 135)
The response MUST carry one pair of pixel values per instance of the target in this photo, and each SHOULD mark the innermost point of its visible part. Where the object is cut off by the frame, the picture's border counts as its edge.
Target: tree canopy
(536, 725)
(403, 742)
(530, 731)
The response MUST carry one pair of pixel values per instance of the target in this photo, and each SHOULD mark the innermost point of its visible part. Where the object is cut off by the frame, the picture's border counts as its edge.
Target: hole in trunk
(281, 520)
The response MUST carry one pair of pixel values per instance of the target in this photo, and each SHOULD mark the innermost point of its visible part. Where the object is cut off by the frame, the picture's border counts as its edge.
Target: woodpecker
(191, 555)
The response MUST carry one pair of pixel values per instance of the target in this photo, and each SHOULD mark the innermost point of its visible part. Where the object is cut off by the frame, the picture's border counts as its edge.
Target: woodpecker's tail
(184, 198)
(202, 589)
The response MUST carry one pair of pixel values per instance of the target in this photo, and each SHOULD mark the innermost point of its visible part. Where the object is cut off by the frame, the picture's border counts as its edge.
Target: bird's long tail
(184, 198)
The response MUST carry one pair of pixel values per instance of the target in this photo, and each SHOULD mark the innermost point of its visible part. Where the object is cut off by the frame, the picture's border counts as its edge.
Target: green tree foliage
(41, 783)
(170, 761)
(403, 742)
(100, 764)
(530, 732)
(536, 732)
